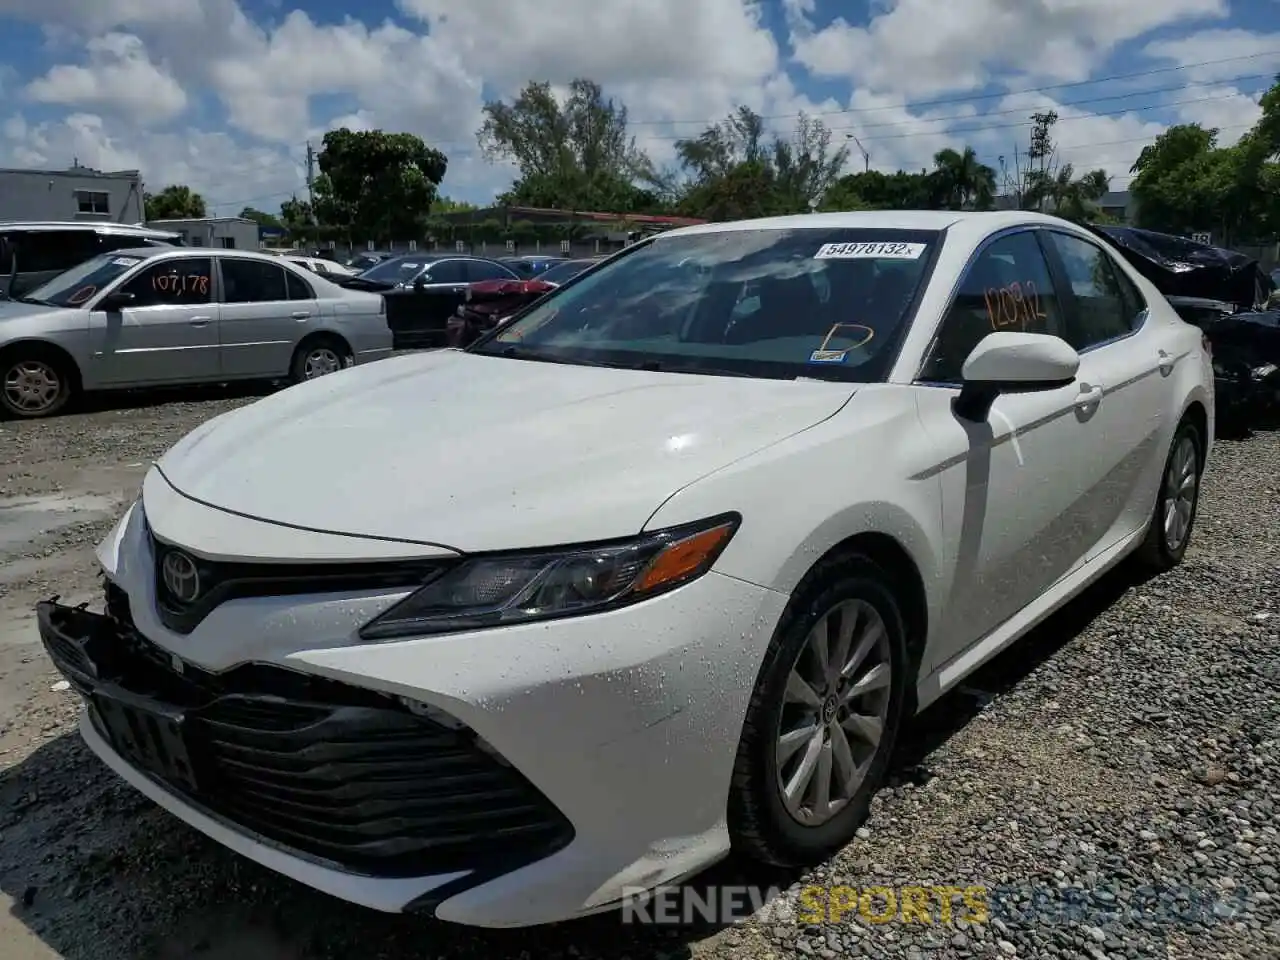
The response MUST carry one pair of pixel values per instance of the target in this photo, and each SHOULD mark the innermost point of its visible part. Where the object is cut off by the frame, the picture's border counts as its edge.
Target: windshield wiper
(37, 302)
(524, 353)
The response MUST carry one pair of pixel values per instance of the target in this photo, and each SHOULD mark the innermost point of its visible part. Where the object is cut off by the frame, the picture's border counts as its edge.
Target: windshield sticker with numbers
(870, 251)
(125, 261)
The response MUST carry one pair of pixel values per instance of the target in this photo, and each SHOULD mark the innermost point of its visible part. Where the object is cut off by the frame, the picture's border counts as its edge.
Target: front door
(168, 334)
(1015, 487)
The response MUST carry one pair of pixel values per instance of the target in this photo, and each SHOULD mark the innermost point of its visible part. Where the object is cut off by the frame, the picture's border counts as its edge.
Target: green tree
(873, 190)
(296, 218)
(376, 185)
(448, 205)
(1065, 195)
(175, 202)
(575, 155)
(732, 158)
(260, 217)
(961, 182)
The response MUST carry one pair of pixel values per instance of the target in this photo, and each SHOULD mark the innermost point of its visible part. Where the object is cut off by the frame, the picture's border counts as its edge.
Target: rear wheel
(34, 383)
(319, 357)
(1175, 510)
(823, 719)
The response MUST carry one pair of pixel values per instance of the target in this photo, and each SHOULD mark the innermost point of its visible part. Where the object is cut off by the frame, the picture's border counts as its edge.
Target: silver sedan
(155, 316)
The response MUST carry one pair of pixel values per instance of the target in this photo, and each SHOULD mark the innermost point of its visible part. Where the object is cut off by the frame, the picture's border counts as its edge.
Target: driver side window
(176, 283)
(1007, 288)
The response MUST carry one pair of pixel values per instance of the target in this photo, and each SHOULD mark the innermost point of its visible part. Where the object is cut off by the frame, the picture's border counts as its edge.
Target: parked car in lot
(655, 571)
(370, 258)
(423, 292)
(489, 302)
(32, 253)
(1225, 294)
(156, 316)
(531, 265)
(325, 268)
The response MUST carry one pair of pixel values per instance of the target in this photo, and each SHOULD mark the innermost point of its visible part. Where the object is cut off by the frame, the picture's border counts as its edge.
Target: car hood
(478, 453)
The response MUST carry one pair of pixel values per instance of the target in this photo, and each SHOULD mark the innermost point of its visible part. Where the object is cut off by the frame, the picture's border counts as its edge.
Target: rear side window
(41, 251)
(252, 281)
(298, 288)
(446, 271)
(1105, 300)
(1007, 288)
(483, 270)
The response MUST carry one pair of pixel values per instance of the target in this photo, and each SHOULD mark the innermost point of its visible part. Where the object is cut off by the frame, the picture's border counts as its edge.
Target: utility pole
(866, 157)
(311, 194)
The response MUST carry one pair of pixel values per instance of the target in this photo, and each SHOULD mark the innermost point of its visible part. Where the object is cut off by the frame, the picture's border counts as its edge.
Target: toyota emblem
(181, 578)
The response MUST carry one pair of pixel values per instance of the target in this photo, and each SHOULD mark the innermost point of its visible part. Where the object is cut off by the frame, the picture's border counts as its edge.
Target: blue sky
(224, 94)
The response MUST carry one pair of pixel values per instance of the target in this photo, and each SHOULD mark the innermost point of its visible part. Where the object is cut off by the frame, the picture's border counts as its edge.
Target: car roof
(93, 226)
(975, 222)
(181, 252)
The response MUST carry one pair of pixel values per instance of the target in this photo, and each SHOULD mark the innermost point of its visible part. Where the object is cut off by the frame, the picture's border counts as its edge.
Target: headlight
(495, 591)
(1264, 371)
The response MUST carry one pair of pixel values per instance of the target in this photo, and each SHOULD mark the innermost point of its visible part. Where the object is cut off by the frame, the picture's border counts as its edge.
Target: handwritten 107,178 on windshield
(1015, 307)
(180, 284)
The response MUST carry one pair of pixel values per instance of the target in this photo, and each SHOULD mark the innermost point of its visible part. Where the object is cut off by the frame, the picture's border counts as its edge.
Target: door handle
(200, 321)
(1167, 361)
(1089, 397)
(300, 314)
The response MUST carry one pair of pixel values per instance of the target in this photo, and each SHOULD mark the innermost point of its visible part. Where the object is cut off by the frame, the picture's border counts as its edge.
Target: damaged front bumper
(347, 779)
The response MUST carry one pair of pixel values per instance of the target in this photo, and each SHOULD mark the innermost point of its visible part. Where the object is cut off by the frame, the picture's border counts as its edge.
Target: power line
(983, 96)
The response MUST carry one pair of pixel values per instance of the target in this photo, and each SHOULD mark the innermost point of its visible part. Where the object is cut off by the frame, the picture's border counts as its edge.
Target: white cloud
(198, 92)
(919, 47)
(1211, 55)
(119, 77)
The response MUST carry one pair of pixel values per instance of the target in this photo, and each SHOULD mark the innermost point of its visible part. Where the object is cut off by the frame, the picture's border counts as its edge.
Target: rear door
(260, 321)
(168, 335)
(1125, 361)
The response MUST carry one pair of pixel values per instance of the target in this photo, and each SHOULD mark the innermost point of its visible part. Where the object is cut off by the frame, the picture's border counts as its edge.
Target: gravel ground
(1113, 782)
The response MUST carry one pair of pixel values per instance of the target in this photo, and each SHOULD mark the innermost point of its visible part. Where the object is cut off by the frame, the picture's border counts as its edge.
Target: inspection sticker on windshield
(870, 251)
(125, 261)
(828, 356)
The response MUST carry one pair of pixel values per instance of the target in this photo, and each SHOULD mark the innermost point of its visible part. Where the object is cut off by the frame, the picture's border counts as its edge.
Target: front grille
(328, 770)
(217, 582)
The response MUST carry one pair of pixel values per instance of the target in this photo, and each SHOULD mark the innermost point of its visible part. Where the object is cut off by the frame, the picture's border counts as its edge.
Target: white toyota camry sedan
(655, 571)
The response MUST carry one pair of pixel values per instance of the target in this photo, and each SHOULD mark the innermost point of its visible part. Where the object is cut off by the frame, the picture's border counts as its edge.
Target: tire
(763, 825)
(319, 356)
(1166, 543)
(34, 383)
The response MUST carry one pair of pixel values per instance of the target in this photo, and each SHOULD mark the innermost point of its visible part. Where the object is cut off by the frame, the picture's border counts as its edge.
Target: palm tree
(961, 181)
(1066, 196)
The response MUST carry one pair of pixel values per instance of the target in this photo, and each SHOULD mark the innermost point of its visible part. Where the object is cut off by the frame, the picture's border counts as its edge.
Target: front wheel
(33, 384)
(1177, 502)
(823, 719)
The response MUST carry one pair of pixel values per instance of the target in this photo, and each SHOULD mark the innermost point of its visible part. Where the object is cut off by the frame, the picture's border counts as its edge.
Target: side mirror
(1013, 363)
(117, 300)
(419, 284)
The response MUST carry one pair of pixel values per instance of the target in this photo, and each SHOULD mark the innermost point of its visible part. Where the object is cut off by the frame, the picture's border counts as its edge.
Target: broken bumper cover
(347, 780)
(624, 725)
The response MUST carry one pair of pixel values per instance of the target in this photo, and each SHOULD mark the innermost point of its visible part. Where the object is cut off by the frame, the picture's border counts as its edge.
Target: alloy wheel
(321, 361)
(32, 386)
(1180, 483)
(834, 713)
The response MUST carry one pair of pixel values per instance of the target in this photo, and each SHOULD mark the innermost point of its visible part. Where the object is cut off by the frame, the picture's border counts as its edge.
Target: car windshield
(812, 302)
(76, 286)
(563, 272)
(398, 270)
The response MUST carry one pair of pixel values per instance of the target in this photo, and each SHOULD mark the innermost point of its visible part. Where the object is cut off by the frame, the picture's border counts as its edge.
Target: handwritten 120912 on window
(180, 284)
(1016, 306)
